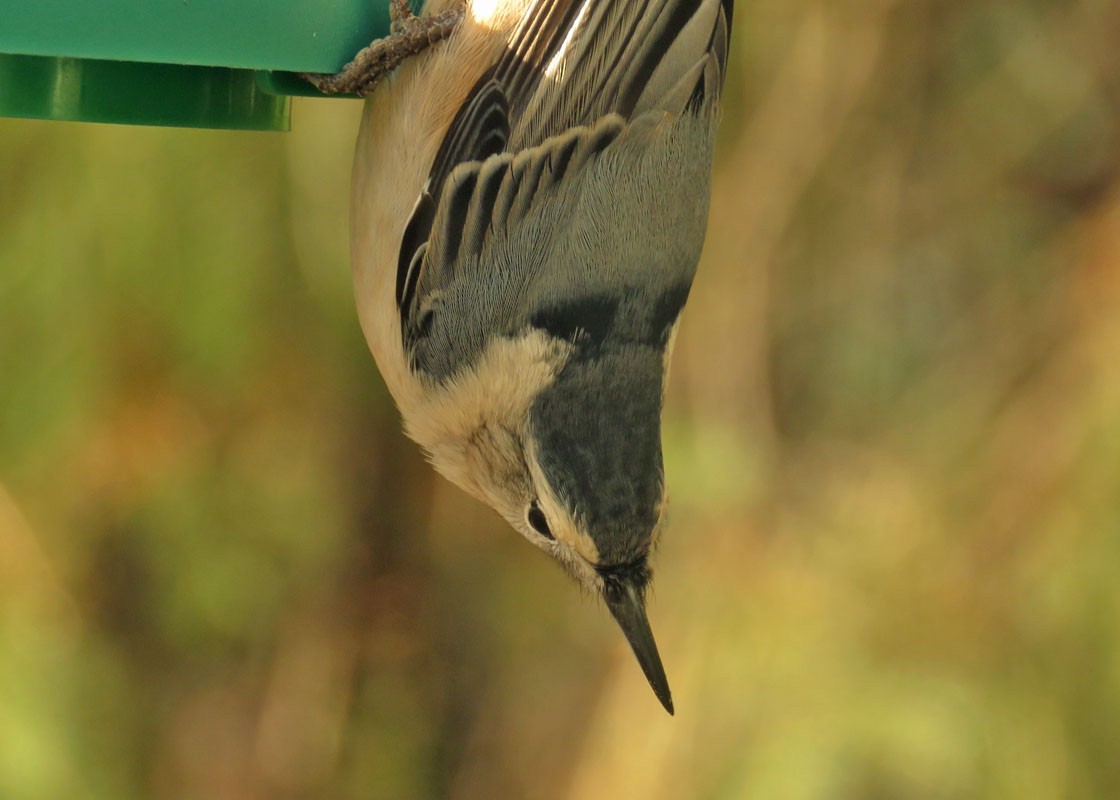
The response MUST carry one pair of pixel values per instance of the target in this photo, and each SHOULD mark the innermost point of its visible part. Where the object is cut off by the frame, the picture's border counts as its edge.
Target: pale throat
(473, 424)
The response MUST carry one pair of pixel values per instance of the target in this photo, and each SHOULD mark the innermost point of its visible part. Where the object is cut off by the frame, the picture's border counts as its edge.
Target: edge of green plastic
(202, 63)
(90, 90)
(296, 35)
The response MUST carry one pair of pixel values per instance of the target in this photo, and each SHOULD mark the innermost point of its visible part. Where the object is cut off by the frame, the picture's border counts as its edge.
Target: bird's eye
(537, 521)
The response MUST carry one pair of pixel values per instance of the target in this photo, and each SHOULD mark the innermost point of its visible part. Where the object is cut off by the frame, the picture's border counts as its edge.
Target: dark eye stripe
(538, 522)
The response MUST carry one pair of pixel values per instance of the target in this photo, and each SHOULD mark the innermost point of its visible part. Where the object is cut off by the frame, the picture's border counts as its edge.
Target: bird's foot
(409, 35)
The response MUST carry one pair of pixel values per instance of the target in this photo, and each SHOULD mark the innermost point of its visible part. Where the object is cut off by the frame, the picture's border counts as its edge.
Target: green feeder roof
(193, 63)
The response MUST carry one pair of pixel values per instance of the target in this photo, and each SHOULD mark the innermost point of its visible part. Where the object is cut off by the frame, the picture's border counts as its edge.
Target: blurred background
(892, 438)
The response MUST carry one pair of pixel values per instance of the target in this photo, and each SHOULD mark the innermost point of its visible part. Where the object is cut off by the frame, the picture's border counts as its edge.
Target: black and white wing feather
(574, 76)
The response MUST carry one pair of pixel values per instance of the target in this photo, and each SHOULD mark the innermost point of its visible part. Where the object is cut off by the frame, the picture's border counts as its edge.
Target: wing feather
(573, 75)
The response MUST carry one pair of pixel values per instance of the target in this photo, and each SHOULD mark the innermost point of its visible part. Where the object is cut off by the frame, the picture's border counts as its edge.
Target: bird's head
(593, 449)
(574, 465)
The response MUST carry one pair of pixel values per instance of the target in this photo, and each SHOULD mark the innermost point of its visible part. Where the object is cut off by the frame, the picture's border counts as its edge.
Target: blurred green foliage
(892, 437)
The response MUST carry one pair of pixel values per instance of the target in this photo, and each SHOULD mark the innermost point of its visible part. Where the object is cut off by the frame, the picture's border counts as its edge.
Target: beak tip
(660, 685)
(628, 611)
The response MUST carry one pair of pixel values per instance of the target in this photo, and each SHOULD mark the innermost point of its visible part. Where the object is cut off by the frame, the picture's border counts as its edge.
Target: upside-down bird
(529, 201)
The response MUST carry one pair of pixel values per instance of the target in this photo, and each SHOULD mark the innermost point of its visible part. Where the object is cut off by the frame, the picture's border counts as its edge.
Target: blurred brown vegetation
(892, 437)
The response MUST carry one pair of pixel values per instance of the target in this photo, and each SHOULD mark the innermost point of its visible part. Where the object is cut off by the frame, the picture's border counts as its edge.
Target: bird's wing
(574, 74)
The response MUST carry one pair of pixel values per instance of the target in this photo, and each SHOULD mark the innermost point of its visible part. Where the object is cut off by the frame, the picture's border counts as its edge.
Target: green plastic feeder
(189, 63)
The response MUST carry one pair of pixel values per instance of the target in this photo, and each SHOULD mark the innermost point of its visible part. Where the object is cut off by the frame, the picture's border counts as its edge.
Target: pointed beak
(629, 611)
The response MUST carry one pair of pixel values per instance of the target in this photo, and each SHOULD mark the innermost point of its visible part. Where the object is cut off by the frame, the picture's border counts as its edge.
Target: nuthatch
(529, 202)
